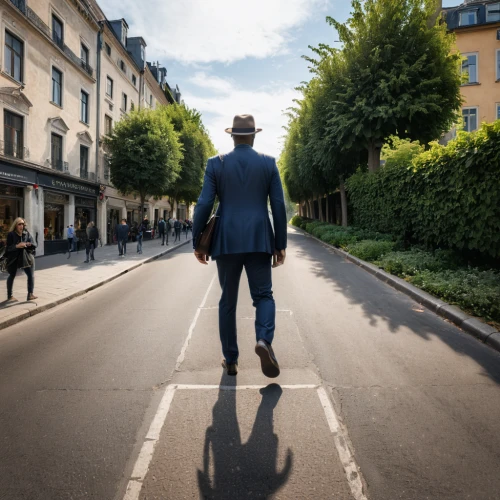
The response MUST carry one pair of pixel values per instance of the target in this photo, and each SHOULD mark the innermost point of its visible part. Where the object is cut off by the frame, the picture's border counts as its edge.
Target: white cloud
(266, 105)
(202, 31)
(201, 79)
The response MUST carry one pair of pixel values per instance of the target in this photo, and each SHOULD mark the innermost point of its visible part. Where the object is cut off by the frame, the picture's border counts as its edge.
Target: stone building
(48, 102)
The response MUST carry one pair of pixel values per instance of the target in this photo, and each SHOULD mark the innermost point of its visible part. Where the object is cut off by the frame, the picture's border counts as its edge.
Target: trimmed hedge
(445, 197)
(370, 250)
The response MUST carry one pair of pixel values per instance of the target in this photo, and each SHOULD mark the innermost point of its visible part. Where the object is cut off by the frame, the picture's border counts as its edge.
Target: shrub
(311, 225)
(370, 250)
(296, 220)
(410, 263)
(475, 291)
(444, 197)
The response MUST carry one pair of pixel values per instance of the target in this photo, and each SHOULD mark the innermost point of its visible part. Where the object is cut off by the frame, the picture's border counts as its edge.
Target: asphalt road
(409, 399)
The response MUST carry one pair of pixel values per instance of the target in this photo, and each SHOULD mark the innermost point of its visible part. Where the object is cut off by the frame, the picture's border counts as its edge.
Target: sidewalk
(58, 279)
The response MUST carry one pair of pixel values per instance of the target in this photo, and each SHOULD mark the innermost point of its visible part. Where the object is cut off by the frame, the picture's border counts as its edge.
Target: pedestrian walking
(70, 234)
(143, 227)
(122, 231)
(244, 180)
(91, 243)
(177, 230)
(162, 227)
(20, 254)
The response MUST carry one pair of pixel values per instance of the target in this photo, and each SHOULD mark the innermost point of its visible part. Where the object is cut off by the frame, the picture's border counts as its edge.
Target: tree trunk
(374, 149)
(327, 219)
(343, 202)
(143, 198)
(312, 214)
(320, 208)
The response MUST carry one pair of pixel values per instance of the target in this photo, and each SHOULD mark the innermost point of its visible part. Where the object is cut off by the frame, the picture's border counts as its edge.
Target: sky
(234, 56)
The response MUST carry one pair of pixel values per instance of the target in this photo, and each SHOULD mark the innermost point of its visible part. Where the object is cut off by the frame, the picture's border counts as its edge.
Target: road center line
(146, 454)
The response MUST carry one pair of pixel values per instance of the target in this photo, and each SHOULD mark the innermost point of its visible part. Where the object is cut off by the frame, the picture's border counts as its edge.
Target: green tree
(401, 77)
(144, 154)
(197, 148)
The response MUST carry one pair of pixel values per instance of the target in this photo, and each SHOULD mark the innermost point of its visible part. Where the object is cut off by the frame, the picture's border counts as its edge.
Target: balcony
(13, 150)
(60, 166)
(89, 176)
(56, 39)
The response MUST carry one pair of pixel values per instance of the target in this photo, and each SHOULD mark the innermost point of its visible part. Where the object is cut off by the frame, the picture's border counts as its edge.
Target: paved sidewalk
(59, 278)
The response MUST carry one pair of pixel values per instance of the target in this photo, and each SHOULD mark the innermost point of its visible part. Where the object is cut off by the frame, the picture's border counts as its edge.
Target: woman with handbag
(20, 255)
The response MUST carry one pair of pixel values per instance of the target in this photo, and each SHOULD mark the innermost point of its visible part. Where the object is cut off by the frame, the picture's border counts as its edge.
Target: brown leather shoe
(11, 300)
(31, 297)
(268, 361)
(232, 368)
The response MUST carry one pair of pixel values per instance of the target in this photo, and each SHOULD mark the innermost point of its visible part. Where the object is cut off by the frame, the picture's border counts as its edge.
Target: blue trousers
(258, 269)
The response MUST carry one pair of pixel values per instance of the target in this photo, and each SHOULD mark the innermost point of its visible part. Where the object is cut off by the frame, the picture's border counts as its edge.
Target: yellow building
(477, 28)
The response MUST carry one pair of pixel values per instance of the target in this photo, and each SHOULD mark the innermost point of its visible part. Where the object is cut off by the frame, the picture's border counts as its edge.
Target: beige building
(476, 25)
(48, 102)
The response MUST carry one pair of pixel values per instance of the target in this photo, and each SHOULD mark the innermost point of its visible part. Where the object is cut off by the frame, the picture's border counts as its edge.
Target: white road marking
(240, 387)
(146, 454)
(180, 359)
(348, 463)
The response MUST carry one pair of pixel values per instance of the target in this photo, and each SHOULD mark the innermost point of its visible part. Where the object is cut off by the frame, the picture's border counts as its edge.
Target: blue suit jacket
(243, 183)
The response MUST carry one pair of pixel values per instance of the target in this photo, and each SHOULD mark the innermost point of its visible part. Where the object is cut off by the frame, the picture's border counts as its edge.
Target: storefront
(12, 181)
(66, 202)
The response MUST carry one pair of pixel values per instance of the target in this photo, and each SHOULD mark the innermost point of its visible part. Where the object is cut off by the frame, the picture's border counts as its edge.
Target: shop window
(53, 216)
(14, 49)
(13, 135)
(11, 203)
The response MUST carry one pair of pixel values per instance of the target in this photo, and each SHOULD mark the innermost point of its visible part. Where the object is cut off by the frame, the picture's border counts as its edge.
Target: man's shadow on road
(232, 469)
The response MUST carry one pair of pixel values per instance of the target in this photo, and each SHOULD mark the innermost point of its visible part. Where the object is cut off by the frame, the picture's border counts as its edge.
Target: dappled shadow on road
(232, 469)
(378, 303)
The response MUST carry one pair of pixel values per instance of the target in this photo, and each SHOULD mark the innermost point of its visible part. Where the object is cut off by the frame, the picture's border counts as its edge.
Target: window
(132, 107)
(468, 17)
(84, 162)
(122, 66)
(469, 66)
(498, 64)
(108, 124)
(124, 35)
(107, 48)
(124, 102)
(143, 53)
(56, 152)
(134, 80)
(493, 12)
(57, 31)
(84, 55)
(109, 87)
(498, 111)
(14, 56)
(56, 87)
(13, 134)
(151, 100)
(84, 107)
(470, 119)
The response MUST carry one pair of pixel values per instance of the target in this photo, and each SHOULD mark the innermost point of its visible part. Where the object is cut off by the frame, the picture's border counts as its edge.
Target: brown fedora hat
(243, 125)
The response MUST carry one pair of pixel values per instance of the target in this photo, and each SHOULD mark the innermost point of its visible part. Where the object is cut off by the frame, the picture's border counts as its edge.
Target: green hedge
(475, 291)
(445, 197)
(370, 250)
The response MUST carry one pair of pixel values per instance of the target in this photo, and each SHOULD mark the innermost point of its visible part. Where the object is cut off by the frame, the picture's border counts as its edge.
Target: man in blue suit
(244, 180)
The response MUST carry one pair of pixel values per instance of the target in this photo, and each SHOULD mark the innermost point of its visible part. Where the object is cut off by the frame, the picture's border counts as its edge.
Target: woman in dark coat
(20, 255)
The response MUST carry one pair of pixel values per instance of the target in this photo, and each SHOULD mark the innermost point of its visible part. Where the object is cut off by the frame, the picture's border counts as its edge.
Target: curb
(39, 309)
(482, 331)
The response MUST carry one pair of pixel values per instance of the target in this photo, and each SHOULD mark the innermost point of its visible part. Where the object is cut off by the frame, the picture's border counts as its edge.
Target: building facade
(477, 28)
(48, 104)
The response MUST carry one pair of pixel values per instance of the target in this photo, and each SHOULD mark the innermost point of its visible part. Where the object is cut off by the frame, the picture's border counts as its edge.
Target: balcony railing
(61, 166)
(14, 150)
(33, 17)
(90, 176)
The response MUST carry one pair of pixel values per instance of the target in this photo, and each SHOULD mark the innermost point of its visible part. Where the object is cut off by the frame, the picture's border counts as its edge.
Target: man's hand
(201, 258)
(279, 258)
